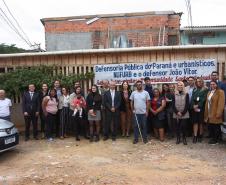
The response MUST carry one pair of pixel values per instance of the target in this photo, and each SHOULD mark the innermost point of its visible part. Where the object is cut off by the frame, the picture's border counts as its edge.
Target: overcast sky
(29, 12)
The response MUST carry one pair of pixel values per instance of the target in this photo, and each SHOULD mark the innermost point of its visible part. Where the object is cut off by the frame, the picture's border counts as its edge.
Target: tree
(17, 81)
(4, 49)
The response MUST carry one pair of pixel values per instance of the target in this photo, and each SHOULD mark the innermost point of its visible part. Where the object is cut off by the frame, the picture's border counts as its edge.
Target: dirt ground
(68, 162)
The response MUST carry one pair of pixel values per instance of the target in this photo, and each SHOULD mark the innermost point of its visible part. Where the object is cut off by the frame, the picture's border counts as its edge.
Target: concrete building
(206, 35)
(112, 30)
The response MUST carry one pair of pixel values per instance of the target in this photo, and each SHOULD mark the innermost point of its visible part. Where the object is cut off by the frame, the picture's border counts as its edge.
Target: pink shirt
(51, 106)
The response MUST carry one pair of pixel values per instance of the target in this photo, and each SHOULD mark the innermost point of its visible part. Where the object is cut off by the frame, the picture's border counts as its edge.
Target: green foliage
(17, 81)
(4, 49)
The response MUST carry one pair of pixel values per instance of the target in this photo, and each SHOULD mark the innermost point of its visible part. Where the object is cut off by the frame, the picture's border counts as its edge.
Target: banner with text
(159, 72)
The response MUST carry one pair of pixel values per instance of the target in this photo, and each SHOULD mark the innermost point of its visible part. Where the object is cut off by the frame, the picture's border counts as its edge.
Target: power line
(17, 22)
(9, 23)
(188, 6)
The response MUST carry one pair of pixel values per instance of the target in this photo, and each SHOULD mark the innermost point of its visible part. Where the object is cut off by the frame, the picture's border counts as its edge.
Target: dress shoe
(97, 138)
(105, 138)
(26, 138)
(135, 141)
(195, 139)
(184, 141)
(178, 140)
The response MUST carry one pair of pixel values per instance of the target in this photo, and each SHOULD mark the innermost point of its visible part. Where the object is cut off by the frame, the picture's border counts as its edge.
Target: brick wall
(136, 31)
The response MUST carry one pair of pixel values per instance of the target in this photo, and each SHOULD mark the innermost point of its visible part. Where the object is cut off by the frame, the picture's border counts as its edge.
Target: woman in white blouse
(64, 112)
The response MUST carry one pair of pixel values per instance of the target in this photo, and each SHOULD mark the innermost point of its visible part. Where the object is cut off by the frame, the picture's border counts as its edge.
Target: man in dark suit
(31, 107)
(112, 101)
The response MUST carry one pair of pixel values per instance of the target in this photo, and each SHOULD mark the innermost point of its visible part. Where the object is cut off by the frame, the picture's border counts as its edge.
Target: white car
(9, 135)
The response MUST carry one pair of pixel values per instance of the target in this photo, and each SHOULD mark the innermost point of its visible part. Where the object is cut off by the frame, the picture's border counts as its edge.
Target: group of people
(176, 110)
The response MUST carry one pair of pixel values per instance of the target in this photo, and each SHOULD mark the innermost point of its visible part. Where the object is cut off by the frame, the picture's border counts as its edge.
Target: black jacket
(31, 105)
(94, 101)
(108, 100)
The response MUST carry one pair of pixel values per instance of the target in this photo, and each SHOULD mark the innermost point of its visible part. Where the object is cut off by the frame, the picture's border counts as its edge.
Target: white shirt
(112, 96)
(31, 94)
(140, 99)
(4, 107)
(66, 101)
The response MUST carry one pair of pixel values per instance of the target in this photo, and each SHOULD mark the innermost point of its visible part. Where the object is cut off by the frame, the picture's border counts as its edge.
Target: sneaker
(50, 139)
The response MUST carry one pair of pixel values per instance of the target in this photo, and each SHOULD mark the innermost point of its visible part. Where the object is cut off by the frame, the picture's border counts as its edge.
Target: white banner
(159, 72)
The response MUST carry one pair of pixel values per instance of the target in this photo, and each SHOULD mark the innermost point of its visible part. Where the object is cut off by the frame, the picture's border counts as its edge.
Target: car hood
(5, 124)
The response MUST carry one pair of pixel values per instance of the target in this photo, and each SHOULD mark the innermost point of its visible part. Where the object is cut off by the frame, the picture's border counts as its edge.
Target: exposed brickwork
(138, 30)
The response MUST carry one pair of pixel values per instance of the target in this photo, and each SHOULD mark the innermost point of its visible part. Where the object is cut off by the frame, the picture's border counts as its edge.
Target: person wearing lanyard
(64, 112)
(214, 109)
(197, 106)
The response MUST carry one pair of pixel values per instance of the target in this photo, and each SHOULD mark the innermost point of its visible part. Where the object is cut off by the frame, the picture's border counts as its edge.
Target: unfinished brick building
(112, 30)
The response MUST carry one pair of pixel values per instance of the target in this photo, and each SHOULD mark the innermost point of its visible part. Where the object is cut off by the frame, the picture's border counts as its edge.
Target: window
(195, 39)
(120, 42)
(172, 40)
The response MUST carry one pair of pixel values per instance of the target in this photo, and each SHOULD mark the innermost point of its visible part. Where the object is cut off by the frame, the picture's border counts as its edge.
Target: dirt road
(68, 162)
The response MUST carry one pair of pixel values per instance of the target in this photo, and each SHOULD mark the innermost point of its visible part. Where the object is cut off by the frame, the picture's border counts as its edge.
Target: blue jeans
(142, 121)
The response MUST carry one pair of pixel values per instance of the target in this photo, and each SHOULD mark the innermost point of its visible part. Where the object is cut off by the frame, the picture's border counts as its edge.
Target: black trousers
(149, 124)
(112, 120)
(80, 125)
(64, 120)
(170, 123)
(42, 120)
(31, 118)
(215, 131)
(50, 122)
(57, 124)
(181, 127)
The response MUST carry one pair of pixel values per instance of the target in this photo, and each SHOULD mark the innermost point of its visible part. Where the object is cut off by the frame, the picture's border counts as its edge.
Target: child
(79, 103)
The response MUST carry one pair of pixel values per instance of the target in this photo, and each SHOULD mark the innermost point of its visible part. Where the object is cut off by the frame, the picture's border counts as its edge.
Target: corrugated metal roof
(204, 28)
(43, 20)
(114, 50)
